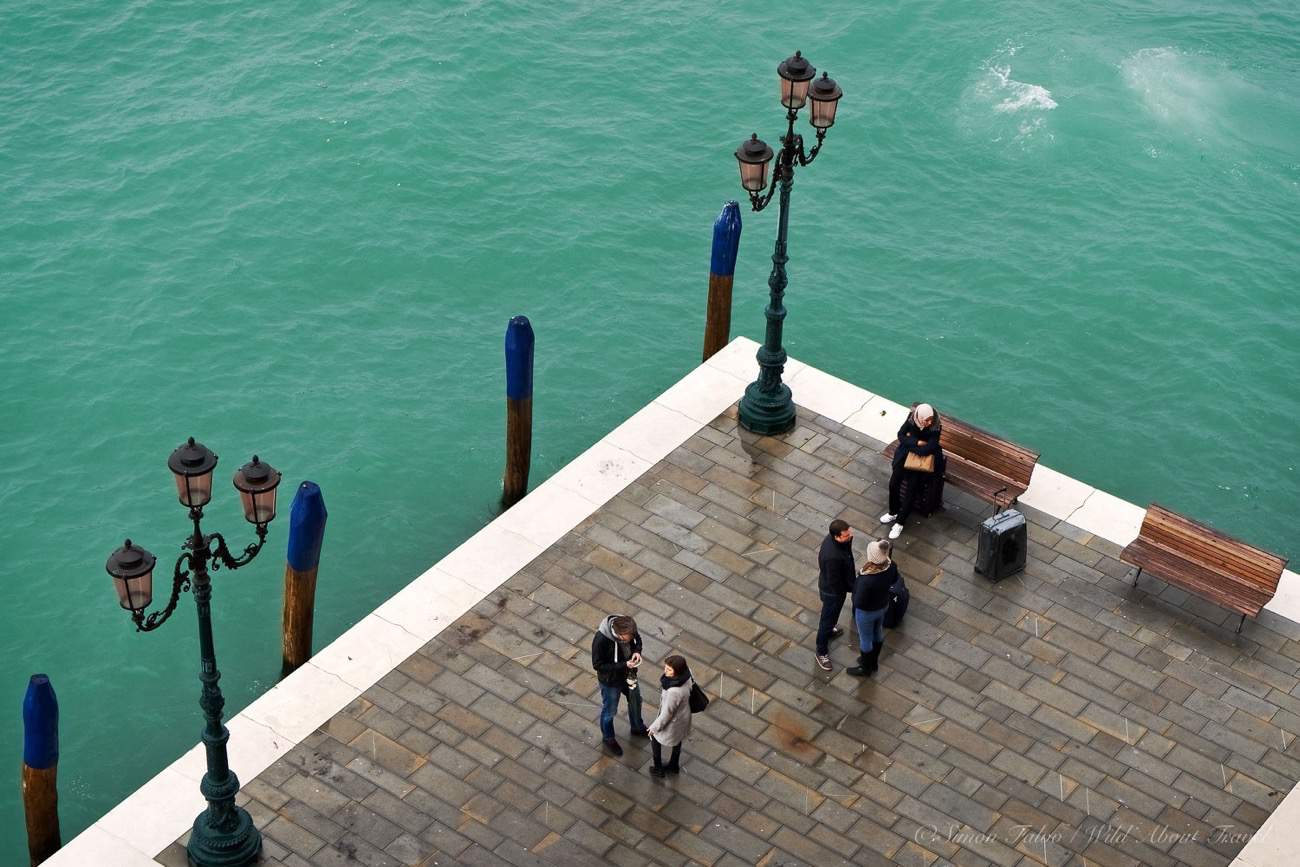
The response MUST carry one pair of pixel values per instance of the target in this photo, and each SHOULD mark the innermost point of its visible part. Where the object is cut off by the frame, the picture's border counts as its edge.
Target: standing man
(616, 654)
(837, 572)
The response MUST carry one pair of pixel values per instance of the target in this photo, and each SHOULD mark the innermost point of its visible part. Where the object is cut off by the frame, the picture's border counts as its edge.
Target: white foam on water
(1019, 95)
(1002, 108)
(1175, 88)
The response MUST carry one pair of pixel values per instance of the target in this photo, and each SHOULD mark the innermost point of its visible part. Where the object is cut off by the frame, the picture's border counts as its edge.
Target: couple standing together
(871, 590)
(616, 657)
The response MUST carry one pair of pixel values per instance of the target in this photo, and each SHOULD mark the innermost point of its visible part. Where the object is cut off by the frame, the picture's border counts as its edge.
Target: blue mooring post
(40, 768)
(306, 534)
(519, 410)
(722, 269)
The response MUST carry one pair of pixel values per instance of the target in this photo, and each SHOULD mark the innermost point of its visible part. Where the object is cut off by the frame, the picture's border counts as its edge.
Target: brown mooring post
(306, 533)
(722, 269)
(41, 768)
(519, 410)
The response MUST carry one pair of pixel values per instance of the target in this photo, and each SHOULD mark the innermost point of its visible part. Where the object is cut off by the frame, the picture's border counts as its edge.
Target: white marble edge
(879, 418)
(349, 665)
(1108, 516)
(599, 473)
(102, 849)
(149, 818)
(827, 395)
(1055, 493)
(1276, 843)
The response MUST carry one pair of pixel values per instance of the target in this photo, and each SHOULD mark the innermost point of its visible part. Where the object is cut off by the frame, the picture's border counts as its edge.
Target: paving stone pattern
(1058, 717)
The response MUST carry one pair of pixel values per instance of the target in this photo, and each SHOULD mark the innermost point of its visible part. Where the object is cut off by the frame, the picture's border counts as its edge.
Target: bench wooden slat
(993, 469)
(1205, 561)
(1242, 597)
(1152, 557)
(988, 486)
(1205, 544)
(987, 450)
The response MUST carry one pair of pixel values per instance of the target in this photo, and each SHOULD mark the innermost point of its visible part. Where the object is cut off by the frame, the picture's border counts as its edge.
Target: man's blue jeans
(609, 706)
(832, 605)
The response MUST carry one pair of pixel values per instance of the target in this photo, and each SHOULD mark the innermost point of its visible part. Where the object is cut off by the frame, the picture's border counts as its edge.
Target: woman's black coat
(871, 590)
(908, 435)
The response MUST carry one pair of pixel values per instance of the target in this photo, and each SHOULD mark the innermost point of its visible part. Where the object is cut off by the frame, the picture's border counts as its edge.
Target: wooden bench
(1204, 561)
(993, 469)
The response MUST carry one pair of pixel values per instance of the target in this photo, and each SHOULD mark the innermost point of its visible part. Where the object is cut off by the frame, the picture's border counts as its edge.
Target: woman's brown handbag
(920, 463)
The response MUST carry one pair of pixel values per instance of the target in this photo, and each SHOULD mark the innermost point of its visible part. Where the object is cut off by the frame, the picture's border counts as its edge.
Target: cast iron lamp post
(223, 835)
(768, 407)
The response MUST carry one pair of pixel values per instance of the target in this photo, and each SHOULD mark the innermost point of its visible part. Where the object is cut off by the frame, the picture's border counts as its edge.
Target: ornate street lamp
(768, 407)
(223, 835)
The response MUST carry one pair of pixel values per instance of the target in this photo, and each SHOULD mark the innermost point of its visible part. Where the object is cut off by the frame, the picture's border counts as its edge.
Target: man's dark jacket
(837, 571)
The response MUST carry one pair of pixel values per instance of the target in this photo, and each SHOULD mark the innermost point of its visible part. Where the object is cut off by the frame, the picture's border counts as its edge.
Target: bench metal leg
(1241, 624)
(1137, 576)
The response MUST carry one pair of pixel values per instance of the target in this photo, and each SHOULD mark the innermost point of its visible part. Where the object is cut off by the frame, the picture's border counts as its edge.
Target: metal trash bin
(1003, 545)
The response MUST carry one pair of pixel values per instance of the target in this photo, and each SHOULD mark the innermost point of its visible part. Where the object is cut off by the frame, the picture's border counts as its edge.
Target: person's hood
(607, 628)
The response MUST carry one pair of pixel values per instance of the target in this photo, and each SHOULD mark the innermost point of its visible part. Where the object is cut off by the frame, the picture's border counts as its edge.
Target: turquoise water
(301, 230)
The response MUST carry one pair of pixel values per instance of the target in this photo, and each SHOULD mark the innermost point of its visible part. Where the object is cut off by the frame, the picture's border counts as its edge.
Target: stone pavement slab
(1057, 717)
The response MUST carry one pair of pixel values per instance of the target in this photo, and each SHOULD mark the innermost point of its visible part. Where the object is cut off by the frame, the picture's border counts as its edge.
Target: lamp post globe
(256, 482)
(795, 73)
(132, 569)
(192, 464)
(754, 157)
(825, 95)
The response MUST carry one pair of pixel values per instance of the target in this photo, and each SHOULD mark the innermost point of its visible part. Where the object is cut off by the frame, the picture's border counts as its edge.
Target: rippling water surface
(300, 230)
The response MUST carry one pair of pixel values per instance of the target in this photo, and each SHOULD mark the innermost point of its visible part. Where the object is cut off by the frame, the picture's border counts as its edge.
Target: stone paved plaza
(1059, 717)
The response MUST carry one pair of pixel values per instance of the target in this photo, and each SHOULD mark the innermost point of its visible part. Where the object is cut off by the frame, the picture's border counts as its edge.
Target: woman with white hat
(870, 601)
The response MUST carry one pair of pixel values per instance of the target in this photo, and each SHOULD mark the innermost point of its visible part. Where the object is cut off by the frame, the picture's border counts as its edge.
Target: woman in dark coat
(918, 436)
(870, 602)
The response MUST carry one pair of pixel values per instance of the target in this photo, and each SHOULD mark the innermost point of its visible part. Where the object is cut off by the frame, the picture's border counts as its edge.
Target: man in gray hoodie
(615, 655)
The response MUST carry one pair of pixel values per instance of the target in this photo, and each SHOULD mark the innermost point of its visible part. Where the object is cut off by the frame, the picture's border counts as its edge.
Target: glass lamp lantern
(132, 571)
(192, 465)
(753, 156)
(256, 483)
(825, 95)
(796, 72)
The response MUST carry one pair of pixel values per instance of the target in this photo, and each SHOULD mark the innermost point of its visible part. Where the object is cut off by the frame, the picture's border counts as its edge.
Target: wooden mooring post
(306, 534)
(41, 768)
(722, 270)
(519, 410)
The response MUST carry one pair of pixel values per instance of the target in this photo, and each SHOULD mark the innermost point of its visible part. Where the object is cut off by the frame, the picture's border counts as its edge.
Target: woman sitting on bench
(917, 479)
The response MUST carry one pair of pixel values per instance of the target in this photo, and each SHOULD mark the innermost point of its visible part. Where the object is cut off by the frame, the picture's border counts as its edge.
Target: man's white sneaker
(887, 518)
(895, 531)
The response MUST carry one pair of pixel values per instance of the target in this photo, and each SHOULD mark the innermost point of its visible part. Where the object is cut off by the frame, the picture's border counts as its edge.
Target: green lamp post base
(239, 846)
(767, 413)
